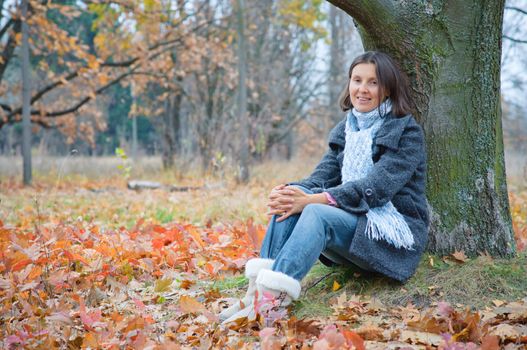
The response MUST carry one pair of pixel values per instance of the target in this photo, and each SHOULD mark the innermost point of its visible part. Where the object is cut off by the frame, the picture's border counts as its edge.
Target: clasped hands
(285, 201)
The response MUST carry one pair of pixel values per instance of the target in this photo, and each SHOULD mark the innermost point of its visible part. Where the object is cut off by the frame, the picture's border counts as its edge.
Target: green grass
(475, 283)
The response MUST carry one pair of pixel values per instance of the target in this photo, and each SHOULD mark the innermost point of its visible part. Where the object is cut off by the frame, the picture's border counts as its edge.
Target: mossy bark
(451, 51)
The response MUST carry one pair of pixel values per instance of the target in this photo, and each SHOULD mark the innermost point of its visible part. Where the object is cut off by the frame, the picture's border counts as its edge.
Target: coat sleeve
(327, 173)
(389, 175)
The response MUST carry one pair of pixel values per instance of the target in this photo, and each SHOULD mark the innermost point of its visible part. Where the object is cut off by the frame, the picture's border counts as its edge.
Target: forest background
(161, 81)
(152, 90)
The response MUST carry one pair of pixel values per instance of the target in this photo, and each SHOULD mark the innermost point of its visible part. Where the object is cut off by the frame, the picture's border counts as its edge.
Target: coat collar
(388, 135)
(391, 130)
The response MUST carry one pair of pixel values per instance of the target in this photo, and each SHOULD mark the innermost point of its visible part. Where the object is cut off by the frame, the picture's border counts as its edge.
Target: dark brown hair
(392, 82)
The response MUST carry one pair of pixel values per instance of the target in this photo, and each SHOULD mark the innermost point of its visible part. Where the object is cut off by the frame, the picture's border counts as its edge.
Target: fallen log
(138, 185)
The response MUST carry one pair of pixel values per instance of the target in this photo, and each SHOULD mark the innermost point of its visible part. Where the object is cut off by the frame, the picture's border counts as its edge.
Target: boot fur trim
(279, 281)
(253, 266)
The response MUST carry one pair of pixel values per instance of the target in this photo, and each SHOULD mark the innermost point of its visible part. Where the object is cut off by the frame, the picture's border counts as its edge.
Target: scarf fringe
(388, 224)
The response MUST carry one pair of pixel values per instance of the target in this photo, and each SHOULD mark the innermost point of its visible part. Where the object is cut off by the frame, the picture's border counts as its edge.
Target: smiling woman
(363, 205)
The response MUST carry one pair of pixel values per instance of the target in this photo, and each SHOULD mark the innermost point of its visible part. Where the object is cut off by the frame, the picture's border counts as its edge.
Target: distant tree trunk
(243, 116)
(289, 145)
(168, 137)
(451, 51)
(335, 69)
(134, 138)
(26, 99)
(172, 130)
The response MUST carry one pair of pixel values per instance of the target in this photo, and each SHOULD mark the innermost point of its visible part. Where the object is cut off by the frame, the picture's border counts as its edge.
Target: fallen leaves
(114, 286)
(80, 283)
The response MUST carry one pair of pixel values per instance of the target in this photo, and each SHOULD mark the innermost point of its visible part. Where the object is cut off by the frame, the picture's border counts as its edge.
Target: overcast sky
(514, 55)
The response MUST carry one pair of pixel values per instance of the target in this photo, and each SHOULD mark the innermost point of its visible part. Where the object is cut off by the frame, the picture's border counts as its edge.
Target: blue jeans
(297, 242)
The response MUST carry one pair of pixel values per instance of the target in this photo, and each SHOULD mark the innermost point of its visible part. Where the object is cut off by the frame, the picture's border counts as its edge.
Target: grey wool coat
(399, 176)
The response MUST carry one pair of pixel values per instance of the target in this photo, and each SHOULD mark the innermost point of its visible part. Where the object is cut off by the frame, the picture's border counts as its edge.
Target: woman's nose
(363, 87)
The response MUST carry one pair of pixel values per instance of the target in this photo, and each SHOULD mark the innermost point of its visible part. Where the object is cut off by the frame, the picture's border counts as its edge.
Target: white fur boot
(252, 267)
(276, 291)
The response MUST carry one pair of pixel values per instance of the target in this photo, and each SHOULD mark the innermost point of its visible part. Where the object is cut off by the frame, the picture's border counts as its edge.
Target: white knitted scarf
(384, 222)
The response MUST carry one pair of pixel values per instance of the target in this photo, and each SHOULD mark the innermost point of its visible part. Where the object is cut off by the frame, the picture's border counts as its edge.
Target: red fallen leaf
(354, 339)
(21, 264)
(444, 309)
(158, 243)
(140, 305)
(266, 332)
(460, 256)
(490, 342)
(330, 338)
(89, 319)
(159, 229)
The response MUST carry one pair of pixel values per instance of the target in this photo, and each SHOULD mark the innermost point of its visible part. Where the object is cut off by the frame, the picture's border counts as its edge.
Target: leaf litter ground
(103, 267)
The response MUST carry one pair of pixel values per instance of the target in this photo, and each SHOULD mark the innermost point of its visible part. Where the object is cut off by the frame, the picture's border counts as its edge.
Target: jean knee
(315, 209)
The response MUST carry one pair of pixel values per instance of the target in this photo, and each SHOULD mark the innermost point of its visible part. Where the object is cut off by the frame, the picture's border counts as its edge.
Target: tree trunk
(134, 138)
(243, 176)
(451, 52)
(168, 137)
(26, 100)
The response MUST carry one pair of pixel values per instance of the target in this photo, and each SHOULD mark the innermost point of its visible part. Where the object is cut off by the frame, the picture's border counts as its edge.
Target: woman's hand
(286, 201)
(279, 201)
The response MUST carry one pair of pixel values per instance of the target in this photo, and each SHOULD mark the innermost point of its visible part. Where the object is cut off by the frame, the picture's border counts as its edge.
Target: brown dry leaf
(424, 338)
(505, 332)
(428, 323)
(459, 256)
(393, 345)
(302, 326)
(186, 284)
(370, 332)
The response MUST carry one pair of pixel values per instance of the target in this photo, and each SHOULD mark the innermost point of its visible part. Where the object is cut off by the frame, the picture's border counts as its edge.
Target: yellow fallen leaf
(498, 302)
(163, 285)
(336, 286)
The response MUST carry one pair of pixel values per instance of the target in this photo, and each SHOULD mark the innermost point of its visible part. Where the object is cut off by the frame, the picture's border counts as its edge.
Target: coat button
(368, 192)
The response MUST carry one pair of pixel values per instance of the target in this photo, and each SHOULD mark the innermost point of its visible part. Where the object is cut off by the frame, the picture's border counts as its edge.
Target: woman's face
(364, 88)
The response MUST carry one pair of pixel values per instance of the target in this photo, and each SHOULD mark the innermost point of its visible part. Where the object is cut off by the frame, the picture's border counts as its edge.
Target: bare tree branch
(6, 27)
(11, 117)
(9, 48)
(519, 41)
(516, 9)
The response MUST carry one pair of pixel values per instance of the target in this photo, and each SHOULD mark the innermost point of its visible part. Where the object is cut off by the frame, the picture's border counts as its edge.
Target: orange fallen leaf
(354, 339)
(191, 305)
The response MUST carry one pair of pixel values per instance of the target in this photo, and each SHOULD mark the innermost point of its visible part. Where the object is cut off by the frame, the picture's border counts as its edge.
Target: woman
(365, 202)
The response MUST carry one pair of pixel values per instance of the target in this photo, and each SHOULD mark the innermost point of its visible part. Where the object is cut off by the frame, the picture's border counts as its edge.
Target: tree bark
(451, 52)
(26, 100)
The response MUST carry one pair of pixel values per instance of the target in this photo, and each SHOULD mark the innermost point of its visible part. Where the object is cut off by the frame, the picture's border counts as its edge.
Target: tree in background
(451, 51)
